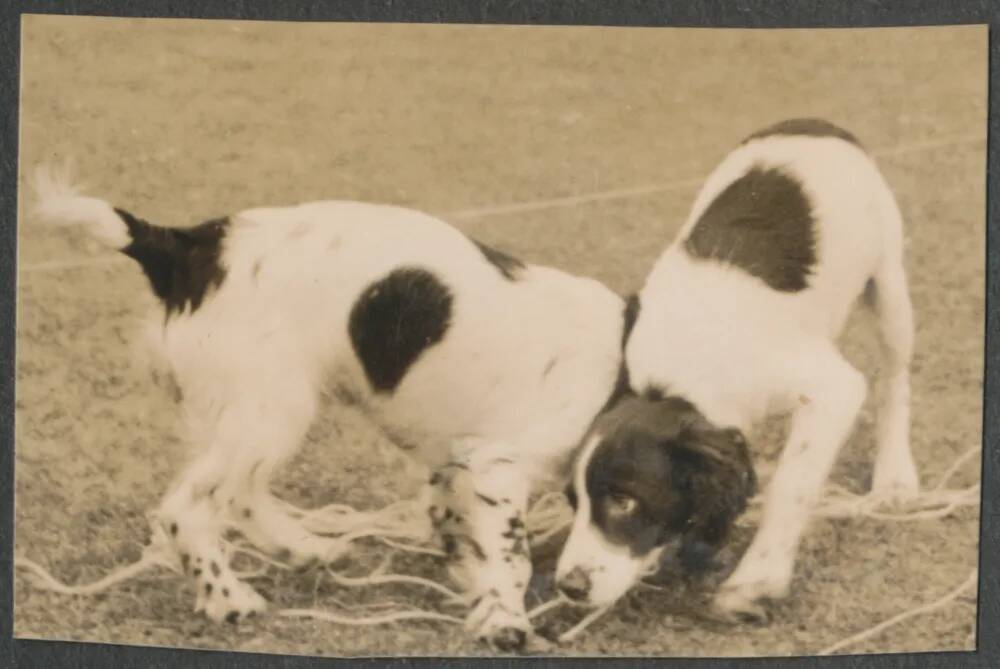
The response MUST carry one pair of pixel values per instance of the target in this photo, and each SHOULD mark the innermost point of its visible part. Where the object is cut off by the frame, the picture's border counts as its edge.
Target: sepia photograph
(373, 339)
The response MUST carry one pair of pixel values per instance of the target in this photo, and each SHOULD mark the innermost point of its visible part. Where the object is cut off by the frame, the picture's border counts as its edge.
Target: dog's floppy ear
(714, 471)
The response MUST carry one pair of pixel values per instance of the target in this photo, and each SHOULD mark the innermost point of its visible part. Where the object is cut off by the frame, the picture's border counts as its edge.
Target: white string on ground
(382, 579)
(970, 582)
(546, 516)
(322, 614)
(486, 211)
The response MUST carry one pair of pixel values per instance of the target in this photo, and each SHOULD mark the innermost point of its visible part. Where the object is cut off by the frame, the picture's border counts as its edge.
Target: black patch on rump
(395, 320)
(810, 127)
(182, 264)
(507, 265)
(688, 478)
(763, 224)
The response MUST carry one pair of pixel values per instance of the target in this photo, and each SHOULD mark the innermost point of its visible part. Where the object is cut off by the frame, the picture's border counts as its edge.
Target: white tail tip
(59, 202)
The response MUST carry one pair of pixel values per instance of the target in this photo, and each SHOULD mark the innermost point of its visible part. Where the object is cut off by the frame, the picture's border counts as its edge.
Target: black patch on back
(763, 224)
(395, 320)
(812, 127)
(507, 265)
(182, 264)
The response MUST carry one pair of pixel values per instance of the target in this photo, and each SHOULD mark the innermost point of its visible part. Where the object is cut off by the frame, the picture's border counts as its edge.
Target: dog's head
(651, 471)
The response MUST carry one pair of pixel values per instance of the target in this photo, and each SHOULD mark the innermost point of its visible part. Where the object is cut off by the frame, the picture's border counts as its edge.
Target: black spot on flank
(196, 572)
(185, 561)
(507, 265)
(225, 592)
(247, 513)
(173, 529)
(395, 320)
(208, 588)
(215, 569)
(233, 617)
(487, 500)
(811, 127)
(761, 223)
(182, 264)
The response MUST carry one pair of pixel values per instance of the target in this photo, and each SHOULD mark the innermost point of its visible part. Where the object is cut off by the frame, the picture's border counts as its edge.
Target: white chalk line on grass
(486, 211)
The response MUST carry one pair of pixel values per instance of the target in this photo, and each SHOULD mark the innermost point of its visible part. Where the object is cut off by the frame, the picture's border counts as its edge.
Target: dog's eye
(621, 504)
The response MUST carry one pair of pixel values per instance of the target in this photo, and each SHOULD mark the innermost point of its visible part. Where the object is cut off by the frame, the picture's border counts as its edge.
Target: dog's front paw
(740, 605)
(745, 596)
(895, 487)
(490, 621)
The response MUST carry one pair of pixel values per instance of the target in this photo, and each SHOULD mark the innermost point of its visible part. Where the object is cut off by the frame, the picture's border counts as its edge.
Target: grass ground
(182, 121)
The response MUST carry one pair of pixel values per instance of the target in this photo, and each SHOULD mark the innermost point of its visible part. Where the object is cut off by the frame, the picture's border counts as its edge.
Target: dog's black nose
(575, 584)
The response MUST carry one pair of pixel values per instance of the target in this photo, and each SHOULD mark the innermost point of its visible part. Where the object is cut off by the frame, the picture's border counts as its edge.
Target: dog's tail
(180, 263)
(59, 202)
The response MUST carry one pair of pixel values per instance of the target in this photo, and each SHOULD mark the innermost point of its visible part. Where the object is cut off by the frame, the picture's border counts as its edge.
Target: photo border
(677, 13)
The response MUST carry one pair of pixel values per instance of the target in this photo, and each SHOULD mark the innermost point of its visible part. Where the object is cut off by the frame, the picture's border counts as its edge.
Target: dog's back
(780, 242)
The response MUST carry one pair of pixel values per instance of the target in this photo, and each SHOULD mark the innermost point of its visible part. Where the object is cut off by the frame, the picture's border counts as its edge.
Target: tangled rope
(404, 526)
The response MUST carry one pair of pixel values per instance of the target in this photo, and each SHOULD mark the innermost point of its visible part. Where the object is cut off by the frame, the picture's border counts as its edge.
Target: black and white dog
(492, 371)
(488, 369)
(738, 320)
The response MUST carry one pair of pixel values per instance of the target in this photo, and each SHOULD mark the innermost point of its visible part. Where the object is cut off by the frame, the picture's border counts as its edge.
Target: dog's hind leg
(895, 477)
(248, 435)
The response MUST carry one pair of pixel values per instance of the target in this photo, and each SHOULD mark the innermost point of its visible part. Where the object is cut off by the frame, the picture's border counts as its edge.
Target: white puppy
(737, 320)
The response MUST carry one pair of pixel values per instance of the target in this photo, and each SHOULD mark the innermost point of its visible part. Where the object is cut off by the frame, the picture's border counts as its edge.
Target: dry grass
(182, 121)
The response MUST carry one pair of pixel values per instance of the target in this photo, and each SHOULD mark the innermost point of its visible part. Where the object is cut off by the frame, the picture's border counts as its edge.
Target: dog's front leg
(829, 398)
(481, 513)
